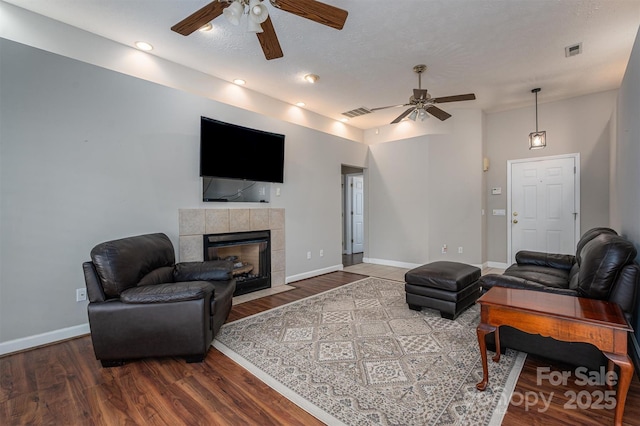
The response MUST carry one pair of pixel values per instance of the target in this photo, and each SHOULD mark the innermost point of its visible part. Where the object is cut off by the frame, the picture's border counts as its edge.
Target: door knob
(515, 220)
(515, 213)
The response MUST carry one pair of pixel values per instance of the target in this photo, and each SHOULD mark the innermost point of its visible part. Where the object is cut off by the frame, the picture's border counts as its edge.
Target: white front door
(357, 214)
(544, 205)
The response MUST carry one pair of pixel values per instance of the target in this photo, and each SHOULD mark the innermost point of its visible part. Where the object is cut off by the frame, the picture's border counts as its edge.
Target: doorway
(353, 215)
(543, 200)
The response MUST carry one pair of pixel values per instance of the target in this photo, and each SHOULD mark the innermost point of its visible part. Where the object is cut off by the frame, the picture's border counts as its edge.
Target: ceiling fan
(422, 103)
(259, 19)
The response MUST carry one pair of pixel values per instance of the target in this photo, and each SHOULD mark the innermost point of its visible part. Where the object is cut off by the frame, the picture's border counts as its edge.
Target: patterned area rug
(358, 355)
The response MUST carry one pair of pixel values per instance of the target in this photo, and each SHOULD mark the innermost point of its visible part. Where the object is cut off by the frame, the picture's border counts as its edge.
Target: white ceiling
(497, 49)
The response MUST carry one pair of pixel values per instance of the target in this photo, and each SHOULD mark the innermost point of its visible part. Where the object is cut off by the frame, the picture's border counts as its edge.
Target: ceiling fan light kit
(258, 12)
(537, 139)
(254, 27)
(234, 12)
(259, 19)
(420, 103)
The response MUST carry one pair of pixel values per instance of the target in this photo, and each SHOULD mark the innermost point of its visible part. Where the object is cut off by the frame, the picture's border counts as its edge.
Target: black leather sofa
(142, 304)
(603, 268)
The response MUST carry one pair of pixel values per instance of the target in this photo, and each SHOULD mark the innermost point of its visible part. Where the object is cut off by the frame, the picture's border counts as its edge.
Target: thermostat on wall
(496, 191)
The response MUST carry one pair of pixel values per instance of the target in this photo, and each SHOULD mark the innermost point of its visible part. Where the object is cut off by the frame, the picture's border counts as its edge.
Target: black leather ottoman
(449, 287)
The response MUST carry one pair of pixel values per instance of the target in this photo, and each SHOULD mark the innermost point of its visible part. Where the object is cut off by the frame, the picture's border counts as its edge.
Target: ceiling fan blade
(420, 94)
(269, 41)
(314, 10)
(467, 97)
(390, 106)
(438, 113)
(197, 19)
(403, 115)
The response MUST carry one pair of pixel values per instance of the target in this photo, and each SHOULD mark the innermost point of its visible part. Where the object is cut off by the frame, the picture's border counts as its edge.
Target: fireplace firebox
(250, 253)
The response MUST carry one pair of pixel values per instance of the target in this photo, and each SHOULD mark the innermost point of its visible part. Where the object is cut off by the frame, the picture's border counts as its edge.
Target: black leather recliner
(603, 268)
(142, 304)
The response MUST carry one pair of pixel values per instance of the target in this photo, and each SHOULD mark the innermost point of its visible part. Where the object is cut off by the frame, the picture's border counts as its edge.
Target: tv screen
(235, 152)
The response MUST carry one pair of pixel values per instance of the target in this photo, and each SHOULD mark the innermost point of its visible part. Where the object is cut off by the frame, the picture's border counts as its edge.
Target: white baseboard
(497, 265)
(43, 339)
(312, 274)
(406, 265)
(395, 263)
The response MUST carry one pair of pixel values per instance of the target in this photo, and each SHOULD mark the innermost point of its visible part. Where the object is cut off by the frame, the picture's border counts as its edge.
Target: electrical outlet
(459, 250)
(308, 255)
(444, 249)
(321, 252)
(81, 294)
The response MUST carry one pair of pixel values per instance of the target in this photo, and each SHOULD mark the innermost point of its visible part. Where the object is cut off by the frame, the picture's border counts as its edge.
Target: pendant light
(537, 140)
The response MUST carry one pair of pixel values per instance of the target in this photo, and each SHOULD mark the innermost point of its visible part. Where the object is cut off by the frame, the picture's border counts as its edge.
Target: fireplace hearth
(250, 253)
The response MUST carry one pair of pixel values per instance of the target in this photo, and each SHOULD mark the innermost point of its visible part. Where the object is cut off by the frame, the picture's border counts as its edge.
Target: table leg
(626, 373)
(483, 330)
(610, 367)
(496, 357)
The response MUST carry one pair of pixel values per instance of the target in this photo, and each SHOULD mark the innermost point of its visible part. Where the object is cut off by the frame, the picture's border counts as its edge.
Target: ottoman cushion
(449, 276)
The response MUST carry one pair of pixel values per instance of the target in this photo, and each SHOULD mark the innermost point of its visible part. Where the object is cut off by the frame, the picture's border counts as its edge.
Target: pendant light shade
(537, 139)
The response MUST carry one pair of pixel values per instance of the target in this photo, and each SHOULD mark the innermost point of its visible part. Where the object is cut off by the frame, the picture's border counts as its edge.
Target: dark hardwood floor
(63, 384)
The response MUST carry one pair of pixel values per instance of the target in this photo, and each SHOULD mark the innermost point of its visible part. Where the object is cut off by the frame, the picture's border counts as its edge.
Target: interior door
(357, 214)
(544, 204)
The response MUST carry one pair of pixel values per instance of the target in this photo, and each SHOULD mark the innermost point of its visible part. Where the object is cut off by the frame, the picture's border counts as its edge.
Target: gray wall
(625, 150)
(577, 125)
(88, 155)
(625, 188)
(427, 191)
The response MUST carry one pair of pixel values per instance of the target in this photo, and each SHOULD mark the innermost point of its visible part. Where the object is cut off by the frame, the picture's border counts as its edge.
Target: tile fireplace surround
(194, 223)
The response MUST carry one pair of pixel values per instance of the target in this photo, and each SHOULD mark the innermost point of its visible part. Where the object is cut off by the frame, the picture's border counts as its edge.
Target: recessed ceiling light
(206, 27)
(311, 78)
(143, 45)
(300, 104)
(344, 120)
(239, 82)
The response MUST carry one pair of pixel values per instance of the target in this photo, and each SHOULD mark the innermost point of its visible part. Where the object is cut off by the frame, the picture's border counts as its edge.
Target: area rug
(357, 355)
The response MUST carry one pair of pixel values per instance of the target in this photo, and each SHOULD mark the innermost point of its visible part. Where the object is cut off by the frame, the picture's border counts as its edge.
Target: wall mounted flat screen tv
(235, 152)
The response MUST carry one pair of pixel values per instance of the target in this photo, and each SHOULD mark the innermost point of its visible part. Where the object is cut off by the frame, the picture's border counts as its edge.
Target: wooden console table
(566, 318)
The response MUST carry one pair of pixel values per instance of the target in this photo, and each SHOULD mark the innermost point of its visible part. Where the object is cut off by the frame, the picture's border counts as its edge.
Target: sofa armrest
(94, 288)
(167, 293)
(209, 270)
(551, 260)
(495, 280)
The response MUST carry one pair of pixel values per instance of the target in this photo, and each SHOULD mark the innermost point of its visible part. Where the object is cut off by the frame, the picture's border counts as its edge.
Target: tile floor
(394, 273)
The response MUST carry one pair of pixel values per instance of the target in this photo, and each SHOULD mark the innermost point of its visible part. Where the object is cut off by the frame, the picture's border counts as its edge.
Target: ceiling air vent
(573, 50)
(357, 112)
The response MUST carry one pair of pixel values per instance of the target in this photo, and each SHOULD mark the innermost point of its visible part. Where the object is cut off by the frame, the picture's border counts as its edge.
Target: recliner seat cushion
(121, 264)
(550, 277)
(602, 261)
(167, 293)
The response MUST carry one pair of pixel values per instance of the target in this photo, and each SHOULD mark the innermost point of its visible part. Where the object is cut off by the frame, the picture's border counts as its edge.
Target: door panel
(543, 206)
(358, 214)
